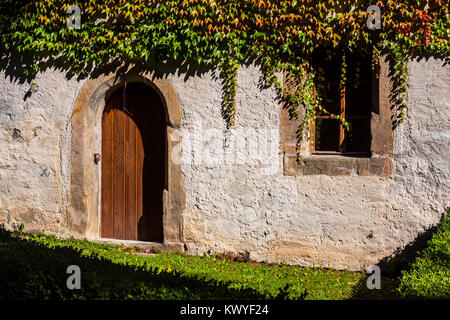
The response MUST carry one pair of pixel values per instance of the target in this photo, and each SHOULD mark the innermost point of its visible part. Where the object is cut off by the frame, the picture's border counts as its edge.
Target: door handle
(97, 158)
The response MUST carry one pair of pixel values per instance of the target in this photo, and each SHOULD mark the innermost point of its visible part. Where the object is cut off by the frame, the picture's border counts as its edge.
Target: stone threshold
(157, 246)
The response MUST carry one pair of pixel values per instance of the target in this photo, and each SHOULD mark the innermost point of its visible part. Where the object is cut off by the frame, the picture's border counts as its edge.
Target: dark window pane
(327, 65)
(326, 135)
(359, 85)
(359, 67)
(329, 92)
(358, 100)
(358, 138)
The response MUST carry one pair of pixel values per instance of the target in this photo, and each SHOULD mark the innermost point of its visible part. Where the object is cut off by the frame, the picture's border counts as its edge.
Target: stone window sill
(337, 165)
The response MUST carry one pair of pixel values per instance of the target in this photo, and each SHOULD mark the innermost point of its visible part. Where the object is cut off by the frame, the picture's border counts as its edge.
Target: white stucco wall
(241, 201)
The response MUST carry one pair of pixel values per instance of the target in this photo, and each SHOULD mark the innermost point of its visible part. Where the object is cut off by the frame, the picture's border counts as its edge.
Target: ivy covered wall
(88, 36)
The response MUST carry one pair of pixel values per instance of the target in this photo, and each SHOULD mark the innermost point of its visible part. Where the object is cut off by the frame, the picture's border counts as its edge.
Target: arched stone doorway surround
(83, 213)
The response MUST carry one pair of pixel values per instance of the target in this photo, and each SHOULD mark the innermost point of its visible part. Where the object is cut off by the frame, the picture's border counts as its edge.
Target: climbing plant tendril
(280, 36)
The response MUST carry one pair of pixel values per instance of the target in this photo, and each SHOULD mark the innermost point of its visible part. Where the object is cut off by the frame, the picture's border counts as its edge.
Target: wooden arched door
(133, 164)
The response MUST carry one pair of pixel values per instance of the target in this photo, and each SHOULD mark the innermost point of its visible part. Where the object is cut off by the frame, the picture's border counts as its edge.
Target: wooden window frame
(342, 109)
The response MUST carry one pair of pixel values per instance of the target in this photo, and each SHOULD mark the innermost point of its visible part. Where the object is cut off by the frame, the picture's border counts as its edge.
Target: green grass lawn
(34, 267)
(429, 275)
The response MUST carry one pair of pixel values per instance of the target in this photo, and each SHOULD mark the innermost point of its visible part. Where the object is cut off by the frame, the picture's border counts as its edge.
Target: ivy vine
(280, 36)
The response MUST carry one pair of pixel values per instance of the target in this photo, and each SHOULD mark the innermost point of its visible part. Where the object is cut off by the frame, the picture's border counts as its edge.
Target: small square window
(364, 102)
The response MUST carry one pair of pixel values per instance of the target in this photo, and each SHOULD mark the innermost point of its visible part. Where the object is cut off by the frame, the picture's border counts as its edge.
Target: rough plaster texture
(241, 200)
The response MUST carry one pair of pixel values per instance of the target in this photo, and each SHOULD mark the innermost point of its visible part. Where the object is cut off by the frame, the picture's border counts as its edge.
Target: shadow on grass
(29, 270)
(387, 291)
